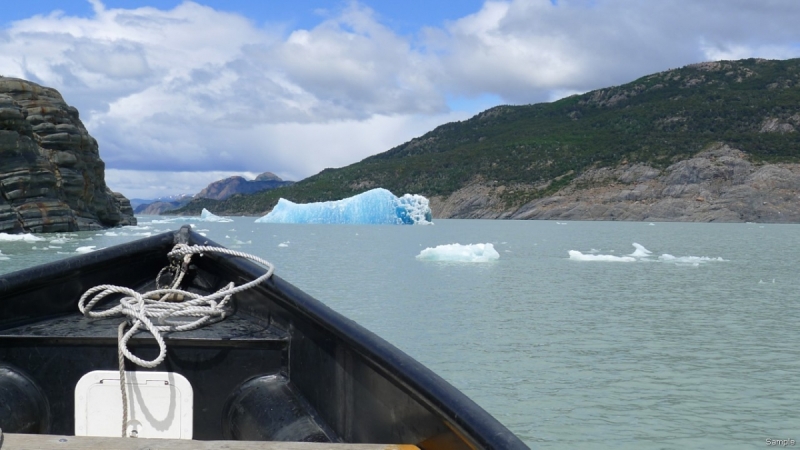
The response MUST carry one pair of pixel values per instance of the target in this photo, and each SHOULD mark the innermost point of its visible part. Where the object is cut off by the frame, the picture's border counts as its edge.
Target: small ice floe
(640, 251)
(27, 237)
(651, 224)
(642, 254)
(687, 260)
(284, 244)
(86, 249)
(460, 253)
(3, 257)
(208, 216)
(135, 227)
(578, 256)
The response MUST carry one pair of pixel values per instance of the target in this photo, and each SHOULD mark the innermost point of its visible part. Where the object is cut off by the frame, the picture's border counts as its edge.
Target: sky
(182, 93)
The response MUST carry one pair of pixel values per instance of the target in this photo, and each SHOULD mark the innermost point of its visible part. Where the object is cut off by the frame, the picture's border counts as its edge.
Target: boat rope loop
(167, 308)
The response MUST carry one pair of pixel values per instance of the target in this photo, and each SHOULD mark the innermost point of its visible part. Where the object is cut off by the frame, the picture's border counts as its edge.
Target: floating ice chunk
(284, 244)
(694, 260)
(86, 249)
(3, 257)
(578, 256)
(460, 253)
(135, 227)
(377, 206)
(207, 216)
(641, 254)
(27, 237)
(640, 251)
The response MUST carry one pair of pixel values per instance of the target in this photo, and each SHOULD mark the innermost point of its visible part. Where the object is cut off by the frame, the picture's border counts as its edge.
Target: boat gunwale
(472, 421)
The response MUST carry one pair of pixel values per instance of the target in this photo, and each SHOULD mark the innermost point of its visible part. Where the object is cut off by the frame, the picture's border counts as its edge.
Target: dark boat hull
(282, 367)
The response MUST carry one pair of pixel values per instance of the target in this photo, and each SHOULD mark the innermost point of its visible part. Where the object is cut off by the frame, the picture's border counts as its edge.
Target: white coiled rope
(165, 309)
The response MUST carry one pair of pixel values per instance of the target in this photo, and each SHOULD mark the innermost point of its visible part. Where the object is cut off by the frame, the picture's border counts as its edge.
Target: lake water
(697, 350)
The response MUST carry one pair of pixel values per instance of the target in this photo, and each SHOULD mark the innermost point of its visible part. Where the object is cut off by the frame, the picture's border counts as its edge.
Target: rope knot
(167, 305)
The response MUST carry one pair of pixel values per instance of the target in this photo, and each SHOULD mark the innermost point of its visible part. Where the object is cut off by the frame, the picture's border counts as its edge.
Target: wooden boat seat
(11, 441)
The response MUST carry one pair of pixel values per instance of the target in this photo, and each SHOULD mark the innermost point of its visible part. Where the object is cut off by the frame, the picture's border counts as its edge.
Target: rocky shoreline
(719, 184)
(51, 176)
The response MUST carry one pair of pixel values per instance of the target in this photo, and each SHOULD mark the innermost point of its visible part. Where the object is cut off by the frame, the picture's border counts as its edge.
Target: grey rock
(719, 184)
(51, 175)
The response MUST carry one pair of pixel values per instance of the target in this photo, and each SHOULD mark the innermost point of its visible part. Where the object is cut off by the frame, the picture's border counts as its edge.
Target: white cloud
(195, 90)
(532, 50)
(148, 184)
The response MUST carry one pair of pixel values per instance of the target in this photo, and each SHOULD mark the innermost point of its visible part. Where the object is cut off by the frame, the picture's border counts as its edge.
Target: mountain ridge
(216, 190)
(516, 157)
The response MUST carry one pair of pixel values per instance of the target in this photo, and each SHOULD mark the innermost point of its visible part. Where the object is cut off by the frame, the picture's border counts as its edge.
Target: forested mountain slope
(739, 117)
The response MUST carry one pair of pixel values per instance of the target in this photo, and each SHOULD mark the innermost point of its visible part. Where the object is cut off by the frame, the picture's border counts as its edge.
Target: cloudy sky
(182, 93)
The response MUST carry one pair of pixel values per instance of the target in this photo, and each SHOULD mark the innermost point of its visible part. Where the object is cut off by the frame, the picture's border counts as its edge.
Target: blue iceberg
(377, 206)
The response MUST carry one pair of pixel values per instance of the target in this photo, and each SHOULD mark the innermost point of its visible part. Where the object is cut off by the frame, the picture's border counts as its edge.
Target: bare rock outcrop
(51, 174)
(719, 184)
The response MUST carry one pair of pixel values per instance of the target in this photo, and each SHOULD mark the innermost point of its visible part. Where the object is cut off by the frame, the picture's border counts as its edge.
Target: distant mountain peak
(222, 189)
(268, 176)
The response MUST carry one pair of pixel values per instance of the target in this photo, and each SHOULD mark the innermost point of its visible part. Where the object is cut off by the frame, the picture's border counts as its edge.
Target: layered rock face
(51, 175)
(719, 184)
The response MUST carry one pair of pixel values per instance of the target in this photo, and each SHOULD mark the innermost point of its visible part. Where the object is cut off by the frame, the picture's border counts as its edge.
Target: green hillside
(534, 150)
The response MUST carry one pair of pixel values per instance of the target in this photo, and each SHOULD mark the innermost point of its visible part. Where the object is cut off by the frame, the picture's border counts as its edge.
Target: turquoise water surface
(694, 345)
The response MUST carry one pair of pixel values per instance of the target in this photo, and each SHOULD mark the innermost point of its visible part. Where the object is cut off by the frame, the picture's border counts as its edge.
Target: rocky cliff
(719, 184)
(51, 175)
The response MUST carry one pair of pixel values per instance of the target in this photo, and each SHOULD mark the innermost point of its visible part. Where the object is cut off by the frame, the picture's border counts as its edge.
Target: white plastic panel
(159, 405)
